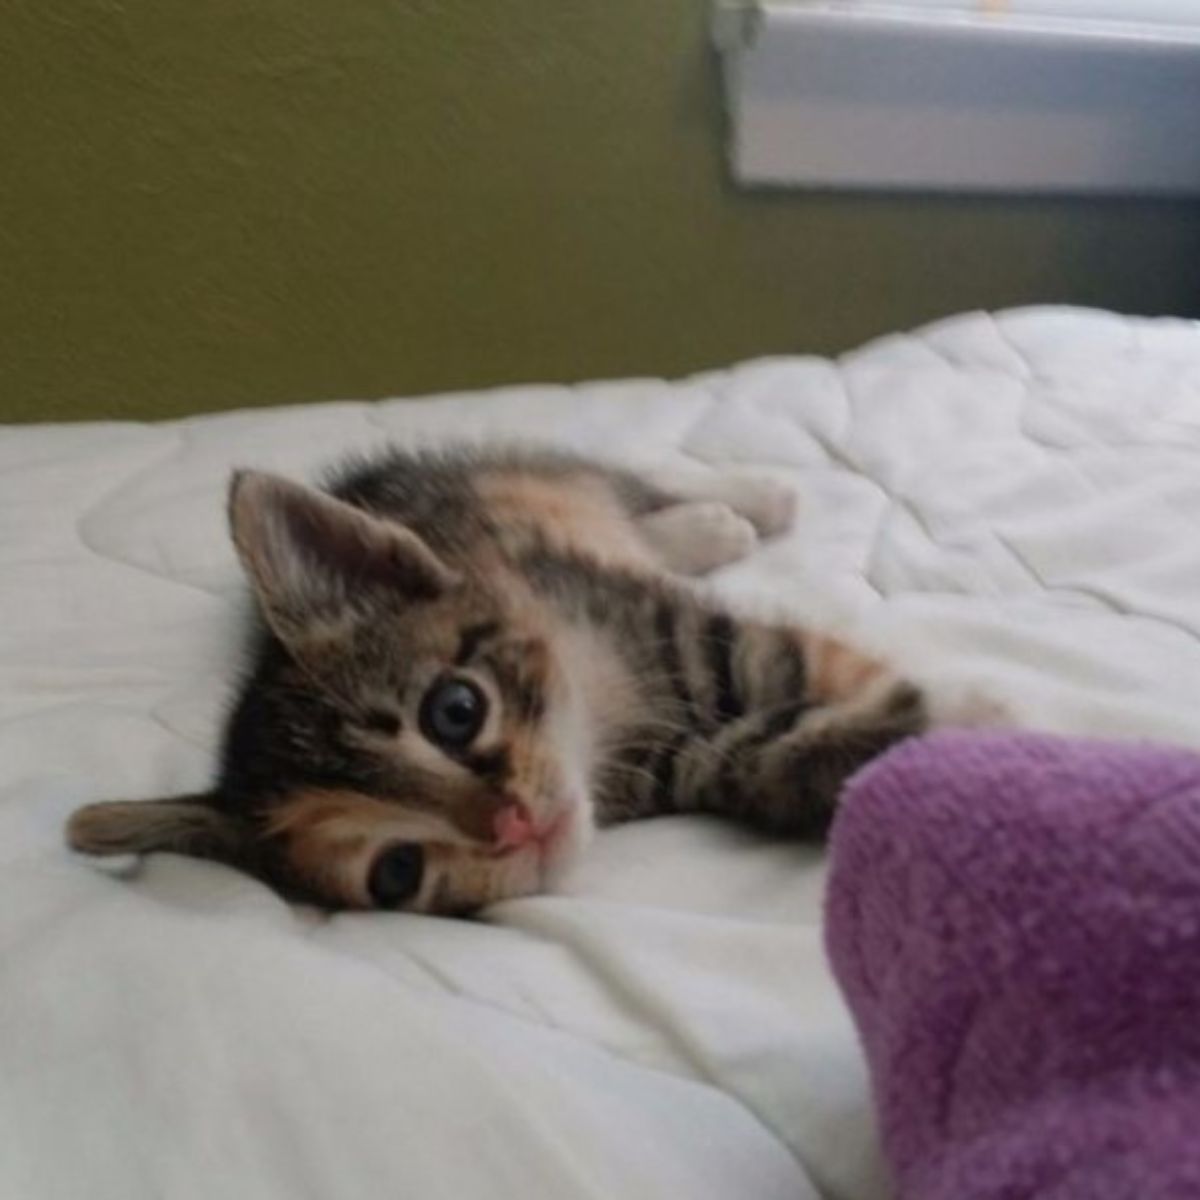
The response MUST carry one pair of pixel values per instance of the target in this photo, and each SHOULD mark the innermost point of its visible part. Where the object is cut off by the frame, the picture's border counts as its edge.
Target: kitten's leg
(765, 725)
(718, 519)
(694, 538)
(770, 506)
(782, 770)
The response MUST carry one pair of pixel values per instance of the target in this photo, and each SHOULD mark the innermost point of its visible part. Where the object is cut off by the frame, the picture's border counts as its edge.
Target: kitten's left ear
(312, 557)
(191, 825)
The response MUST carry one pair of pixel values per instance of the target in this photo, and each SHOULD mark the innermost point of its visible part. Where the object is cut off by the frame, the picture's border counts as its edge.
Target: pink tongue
(513, 827)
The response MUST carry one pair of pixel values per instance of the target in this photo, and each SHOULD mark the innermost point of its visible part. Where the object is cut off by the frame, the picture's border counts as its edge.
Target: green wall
(210, 203)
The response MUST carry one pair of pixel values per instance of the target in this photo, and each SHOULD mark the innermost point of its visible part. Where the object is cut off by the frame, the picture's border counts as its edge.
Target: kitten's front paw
(770, 506)
(967, 706)
(712, 535)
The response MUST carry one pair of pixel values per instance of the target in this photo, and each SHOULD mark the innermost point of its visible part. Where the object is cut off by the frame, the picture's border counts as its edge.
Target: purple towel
(1015, 921)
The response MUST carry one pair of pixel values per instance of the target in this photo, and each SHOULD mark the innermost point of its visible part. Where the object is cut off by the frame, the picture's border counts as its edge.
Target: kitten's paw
(695, 538)
(966, 706)
(770, 506)
(715, 535)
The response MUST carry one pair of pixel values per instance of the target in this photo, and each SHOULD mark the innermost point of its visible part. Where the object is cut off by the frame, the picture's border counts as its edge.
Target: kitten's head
(409, 738)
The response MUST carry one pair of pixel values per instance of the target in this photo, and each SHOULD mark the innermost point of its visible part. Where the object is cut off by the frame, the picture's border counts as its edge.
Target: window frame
(900, 97)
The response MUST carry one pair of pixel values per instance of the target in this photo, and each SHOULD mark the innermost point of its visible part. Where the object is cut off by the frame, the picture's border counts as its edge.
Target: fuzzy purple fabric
(1015, 922)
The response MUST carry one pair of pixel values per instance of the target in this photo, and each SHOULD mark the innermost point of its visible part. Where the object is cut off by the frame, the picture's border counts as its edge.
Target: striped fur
(599, 686)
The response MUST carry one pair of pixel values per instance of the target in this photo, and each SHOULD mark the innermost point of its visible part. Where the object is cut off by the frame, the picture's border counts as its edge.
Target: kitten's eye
(453, 713)
(396, 875)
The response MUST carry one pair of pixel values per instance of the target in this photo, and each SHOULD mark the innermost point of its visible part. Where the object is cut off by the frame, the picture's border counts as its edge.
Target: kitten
(465, 660)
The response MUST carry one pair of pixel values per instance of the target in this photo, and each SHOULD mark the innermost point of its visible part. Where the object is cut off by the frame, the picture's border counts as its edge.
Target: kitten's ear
(190, 825)
(312, 557)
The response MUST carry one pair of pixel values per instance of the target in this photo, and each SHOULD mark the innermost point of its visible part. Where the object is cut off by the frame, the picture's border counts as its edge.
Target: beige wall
(212, 204)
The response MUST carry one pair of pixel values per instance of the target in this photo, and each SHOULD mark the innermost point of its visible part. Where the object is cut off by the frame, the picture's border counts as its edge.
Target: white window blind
(1038, 96)
(1171, 12)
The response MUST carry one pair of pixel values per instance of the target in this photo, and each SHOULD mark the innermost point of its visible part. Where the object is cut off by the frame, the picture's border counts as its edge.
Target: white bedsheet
(1010, 502)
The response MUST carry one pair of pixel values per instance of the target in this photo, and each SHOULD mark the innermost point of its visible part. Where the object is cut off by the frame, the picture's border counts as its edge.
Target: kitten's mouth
(551, 837)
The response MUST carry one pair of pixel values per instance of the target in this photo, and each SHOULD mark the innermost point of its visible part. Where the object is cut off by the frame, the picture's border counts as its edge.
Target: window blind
(1045, 96)
(1140, 12)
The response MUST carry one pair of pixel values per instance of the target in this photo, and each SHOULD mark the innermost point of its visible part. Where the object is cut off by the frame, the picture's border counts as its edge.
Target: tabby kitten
(467, 659)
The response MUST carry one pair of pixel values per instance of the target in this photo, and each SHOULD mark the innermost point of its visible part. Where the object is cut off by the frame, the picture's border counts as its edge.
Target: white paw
(770, 506)
(967, 707)
(707, 535)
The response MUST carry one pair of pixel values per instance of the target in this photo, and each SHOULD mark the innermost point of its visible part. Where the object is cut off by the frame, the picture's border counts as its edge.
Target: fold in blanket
(1015, 921)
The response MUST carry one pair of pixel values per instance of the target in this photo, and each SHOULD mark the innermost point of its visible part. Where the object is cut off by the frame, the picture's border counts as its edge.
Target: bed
(1004, 502)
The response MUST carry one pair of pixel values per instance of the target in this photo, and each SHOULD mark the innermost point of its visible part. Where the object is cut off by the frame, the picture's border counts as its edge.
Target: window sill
(888, 98)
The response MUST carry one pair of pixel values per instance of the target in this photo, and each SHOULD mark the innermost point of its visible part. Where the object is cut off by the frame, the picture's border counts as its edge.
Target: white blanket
(1008, 502)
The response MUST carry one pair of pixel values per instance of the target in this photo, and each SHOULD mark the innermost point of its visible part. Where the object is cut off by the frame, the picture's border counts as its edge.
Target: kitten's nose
(513, 826)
